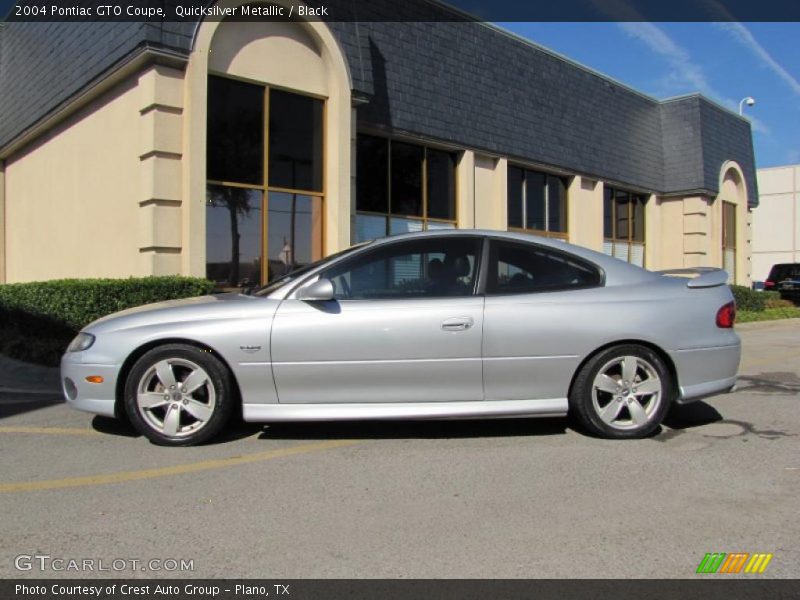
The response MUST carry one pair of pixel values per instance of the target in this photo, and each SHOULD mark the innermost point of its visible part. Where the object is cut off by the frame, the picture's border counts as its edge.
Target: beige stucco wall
(490, 210)
(161, 153)
(71, 198)
(776, 221)
(281, 54)
(697, 232)
(687, 232)
(465, 190)
(664, 234)
(585, 212)
(103, 188)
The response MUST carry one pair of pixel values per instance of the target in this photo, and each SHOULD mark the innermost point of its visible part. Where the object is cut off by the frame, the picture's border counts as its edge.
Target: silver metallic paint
(295, 360)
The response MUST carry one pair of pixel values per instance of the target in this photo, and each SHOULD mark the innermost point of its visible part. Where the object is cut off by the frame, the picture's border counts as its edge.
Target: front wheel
(622, 392)
(178, 395)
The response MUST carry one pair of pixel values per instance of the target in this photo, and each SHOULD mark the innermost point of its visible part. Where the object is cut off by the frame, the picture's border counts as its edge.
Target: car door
(539, 306)
(405, 326)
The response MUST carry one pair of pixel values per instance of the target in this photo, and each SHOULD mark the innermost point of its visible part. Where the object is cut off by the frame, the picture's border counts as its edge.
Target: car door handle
(458, 324)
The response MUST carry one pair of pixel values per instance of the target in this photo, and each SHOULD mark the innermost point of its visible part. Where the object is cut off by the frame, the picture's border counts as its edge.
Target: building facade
(776, 223)
(237, 150)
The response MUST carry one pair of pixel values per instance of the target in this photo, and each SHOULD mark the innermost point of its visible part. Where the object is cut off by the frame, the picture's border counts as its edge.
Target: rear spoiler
(699, 277)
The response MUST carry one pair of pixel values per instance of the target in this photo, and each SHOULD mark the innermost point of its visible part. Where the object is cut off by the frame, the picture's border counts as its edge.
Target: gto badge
(250, 349)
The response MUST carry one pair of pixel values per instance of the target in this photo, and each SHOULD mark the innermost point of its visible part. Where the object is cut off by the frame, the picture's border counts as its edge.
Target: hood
(188, 309)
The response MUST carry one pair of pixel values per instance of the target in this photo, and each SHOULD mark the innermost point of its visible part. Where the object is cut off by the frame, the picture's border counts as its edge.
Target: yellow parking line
(205, 465)
(50, 430)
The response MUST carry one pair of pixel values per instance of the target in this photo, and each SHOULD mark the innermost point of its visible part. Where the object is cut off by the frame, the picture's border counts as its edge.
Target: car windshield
(279, 282)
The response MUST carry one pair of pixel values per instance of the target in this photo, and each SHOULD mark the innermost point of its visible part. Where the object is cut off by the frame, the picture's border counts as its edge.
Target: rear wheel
(622, 392)
(178, 395)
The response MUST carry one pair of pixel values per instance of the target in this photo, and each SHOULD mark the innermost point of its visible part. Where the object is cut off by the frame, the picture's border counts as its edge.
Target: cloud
(684, 69)
(685, 74)
(741, 34)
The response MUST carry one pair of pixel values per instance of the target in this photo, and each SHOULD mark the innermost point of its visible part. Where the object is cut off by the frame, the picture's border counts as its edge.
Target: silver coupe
(434, 325)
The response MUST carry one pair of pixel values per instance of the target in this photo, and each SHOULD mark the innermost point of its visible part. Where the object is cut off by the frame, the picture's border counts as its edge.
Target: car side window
(422, 268)
(518, 268)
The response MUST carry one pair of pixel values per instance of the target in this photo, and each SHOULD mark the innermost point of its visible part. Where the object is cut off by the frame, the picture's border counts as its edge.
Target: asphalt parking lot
(476, 499)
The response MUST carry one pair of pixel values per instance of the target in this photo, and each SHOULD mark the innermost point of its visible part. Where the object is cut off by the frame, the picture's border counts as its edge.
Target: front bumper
(97, 398)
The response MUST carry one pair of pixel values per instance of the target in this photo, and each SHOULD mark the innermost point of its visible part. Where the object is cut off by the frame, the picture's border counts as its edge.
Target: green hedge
(39, 319)
(747, 299)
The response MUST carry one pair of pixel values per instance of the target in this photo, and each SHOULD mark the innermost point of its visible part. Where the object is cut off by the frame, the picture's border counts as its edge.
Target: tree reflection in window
(233, 224)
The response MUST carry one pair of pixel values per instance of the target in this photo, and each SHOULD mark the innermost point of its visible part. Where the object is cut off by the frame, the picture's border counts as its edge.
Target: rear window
(516, 268)
(783, 272)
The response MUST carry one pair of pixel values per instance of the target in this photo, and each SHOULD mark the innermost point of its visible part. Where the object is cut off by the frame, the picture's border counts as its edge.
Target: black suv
(784, 278)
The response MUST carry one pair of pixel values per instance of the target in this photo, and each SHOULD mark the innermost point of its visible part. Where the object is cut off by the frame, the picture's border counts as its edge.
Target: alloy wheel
(627, 392)
(176, 397)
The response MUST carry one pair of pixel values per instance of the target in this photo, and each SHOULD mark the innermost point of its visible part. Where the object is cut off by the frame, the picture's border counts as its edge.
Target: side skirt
(484, 409)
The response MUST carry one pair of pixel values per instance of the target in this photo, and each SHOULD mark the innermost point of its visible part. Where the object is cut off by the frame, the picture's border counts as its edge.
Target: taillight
(726, 315)
(769, 284)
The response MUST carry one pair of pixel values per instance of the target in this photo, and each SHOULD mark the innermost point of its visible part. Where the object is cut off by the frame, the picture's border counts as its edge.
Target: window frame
(491, 257)
(424, 219)
(264, 186)
(559, 235)
(632, 199)
(480, 242)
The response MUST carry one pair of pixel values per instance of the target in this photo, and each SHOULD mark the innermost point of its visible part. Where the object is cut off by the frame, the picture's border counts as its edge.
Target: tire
(607, 407)
(167, 413)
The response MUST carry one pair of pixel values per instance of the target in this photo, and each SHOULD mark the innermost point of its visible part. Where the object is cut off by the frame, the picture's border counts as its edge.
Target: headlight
(82, 341)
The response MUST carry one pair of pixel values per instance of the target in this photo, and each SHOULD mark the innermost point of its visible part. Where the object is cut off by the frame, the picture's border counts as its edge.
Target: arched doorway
(731, 211)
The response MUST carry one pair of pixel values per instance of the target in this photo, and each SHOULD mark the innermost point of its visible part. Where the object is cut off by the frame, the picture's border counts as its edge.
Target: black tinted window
(415, 269)
(441, 185)
(295, 141)
(782, 272)
(235, 131)
(372, 169)
(407, 179)
(523, 268)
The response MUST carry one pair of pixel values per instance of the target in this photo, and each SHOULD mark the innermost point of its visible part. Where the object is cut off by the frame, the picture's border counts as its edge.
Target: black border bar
(154, 11)
(713, 587)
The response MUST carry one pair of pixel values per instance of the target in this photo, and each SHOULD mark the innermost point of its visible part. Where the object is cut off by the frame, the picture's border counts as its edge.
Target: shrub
(747, 299)
(774, 300)
(39, 319)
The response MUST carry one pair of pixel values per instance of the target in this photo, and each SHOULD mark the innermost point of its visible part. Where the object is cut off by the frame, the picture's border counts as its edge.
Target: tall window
(264, 194)
(537, 202)
(729, 240)
(402, 187)
(623, 225)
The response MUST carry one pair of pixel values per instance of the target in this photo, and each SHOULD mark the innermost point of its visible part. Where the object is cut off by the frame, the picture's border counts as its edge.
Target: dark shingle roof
(464, 83)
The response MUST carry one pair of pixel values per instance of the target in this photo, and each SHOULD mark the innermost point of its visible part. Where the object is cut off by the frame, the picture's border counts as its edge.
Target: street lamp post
(750, 101)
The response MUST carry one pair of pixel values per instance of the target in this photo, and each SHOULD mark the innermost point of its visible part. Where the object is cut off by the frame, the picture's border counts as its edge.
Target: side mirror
(319, 291)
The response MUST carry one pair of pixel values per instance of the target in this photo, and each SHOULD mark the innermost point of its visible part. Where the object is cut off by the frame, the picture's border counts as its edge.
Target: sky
(725, 62)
